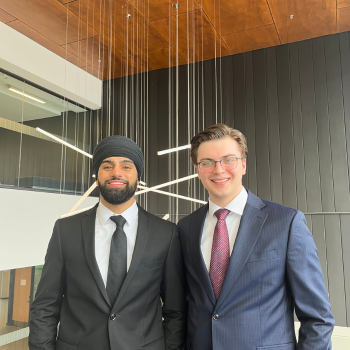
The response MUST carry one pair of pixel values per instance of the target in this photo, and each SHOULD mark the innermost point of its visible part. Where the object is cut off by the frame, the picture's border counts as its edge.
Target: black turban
(117, 146)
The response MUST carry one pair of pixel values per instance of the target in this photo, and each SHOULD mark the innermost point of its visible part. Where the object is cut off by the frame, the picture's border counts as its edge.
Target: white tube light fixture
(167, 184)
(81, 200)
(26, 95)
(145, 189)
(73, 211)
(166, 217)
(175, 195)
(76, 212)
(173, 150)
(64, 142)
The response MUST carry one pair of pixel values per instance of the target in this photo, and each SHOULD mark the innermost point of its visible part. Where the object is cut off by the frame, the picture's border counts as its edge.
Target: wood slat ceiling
(97, 36)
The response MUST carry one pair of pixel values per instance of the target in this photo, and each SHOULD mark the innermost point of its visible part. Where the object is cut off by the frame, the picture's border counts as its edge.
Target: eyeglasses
(229, 163)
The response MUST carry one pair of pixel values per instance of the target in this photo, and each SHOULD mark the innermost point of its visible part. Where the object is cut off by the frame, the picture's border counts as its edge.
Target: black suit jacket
(71, 291)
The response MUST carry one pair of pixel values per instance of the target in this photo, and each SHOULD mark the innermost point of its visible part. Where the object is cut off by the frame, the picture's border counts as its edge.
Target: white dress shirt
(104, 229)
(236, 207)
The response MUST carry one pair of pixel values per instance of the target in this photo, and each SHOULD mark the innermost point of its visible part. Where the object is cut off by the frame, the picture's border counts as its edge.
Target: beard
(117, 196)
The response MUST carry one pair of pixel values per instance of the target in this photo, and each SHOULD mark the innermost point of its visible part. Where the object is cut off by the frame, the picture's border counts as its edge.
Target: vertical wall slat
(250, 122)
(286, 127)
(273, 127)
(297, 127)
(312, 169)
(261, 125)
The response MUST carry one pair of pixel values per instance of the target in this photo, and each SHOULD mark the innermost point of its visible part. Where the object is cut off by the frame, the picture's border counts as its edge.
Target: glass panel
(31, 159)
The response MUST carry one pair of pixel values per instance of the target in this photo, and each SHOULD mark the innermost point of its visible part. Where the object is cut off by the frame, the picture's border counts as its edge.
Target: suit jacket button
(216, 317)
(113, 317)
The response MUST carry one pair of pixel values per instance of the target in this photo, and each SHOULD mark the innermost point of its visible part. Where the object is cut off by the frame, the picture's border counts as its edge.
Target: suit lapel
(252, 220)
(196, 227)
(88, 233)
(143, 230)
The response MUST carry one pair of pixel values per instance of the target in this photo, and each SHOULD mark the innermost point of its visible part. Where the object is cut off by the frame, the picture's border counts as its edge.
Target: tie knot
(119, 220)
(221, 214)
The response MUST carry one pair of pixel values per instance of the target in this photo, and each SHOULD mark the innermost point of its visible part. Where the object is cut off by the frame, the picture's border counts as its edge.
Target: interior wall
(292, 104)
(30, 218)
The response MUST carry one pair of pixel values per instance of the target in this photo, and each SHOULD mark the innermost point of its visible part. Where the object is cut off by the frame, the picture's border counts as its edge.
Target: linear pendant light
(144, 190)
(167, 184)
(64, 142)
(174, 195)
(173, 150)
(26, 95)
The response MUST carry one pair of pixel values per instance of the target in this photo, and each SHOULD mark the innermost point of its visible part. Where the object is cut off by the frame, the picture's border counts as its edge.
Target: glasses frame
(218, 161)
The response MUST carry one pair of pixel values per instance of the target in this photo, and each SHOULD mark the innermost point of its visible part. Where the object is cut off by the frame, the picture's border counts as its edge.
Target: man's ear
(198, 171)
(244, 165)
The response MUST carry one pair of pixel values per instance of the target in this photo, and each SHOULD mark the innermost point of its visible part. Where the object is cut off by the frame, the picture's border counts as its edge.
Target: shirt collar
(104, 214)
(236, 205)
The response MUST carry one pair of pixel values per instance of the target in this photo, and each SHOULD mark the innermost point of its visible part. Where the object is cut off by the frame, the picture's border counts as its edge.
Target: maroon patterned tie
(220, 252)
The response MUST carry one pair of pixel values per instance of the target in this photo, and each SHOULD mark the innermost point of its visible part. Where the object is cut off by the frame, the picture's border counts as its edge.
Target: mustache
(117, 179)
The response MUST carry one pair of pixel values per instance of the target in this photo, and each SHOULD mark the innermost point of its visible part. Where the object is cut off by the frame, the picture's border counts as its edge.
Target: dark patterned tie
(117, 267)
(220, 252)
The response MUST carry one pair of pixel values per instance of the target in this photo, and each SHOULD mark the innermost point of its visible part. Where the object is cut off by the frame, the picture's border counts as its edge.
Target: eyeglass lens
(227, 164)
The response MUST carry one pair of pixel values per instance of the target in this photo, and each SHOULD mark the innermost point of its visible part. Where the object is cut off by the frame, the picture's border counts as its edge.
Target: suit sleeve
(45, 310)
(173, 296)
(307, 285)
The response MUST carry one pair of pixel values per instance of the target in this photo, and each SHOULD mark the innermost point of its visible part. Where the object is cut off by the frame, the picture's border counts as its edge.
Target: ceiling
(18, 108)
(114, 38)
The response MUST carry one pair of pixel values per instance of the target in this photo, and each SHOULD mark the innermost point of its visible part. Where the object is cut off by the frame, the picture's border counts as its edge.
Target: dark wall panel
(292, 104)
(286, 127)
(297, 127)
(273, 127)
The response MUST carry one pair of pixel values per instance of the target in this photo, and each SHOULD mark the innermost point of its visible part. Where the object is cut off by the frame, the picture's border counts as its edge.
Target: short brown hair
(215, 132)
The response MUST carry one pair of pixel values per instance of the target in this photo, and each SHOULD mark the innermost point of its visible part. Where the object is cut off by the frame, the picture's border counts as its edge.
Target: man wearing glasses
(250, 263)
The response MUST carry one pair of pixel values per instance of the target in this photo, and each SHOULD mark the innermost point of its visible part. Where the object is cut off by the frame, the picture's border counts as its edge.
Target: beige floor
(17, 345)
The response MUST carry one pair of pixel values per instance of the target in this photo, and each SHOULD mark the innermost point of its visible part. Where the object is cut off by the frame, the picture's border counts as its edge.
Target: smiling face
(117, 181)
(222, 185)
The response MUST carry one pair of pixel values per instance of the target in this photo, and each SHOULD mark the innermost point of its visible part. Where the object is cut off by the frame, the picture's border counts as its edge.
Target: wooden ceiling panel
(50, 18)
(93, 71)
(103, 57)
(229, 16)
(98, 14)
(109, 19)
(6, 17)
(344, 19)
(154, 10)
(343, 3)
(47, 43)
(131, 36)
(204, 43)
(311, 18)
(90, 50)
(252, 39)
(163, 58)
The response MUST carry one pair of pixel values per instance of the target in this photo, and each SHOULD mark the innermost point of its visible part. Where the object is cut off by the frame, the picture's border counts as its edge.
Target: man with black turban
(109, 269)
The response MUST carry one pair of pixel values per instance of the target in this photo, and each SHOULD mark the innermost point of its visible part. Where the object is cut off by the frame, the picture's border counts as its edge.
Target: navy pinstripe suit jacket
(274, 269)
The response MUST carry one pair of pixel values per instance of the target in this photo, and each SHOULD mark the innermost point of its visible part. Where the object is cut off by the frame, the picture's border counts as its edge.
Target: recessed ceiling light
(26, 95)
(128, 15)
(291, 16)
(176, 6)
